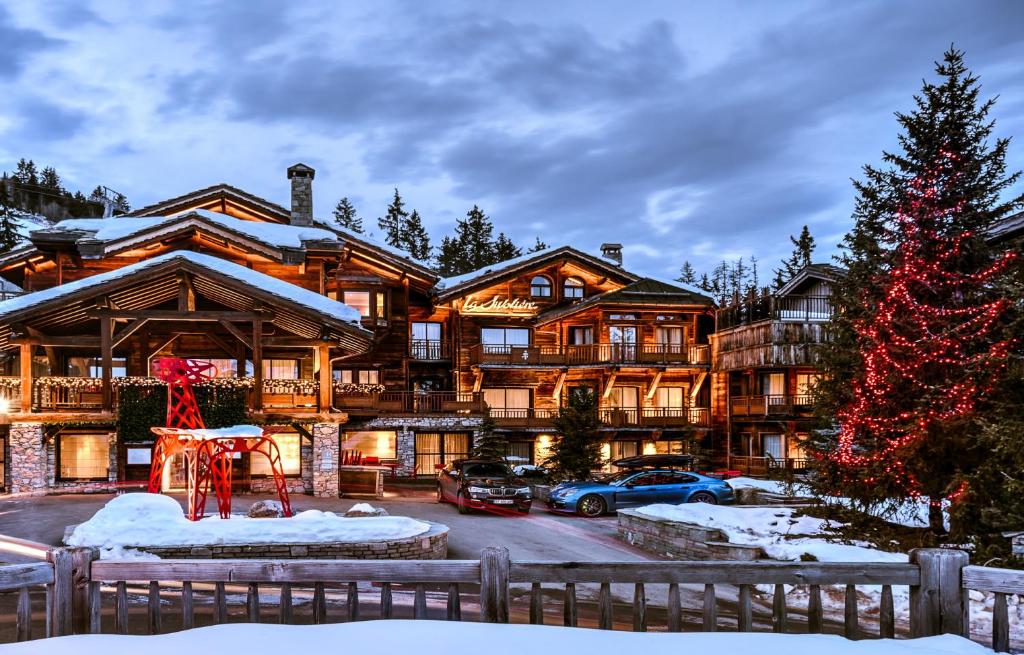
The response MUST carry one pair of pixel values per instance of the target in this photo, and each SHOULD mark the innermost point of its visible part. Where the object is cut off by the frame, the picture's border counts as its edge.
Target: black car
(483, 484)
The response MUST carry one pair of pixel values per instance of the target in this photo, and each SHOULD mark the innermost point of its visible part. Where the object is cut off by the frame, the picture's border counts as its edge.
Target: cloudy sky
(695, 131)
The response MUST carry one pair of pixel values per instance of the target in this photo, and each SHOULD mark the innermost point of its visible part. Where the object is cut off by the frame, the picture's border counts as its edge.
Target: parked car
(642, 481)
(483, 484)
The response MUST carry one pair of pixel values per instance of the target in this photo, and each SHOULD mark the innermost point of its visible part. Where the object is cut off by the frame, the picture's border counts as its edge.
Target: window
(622, 334)
(502, 340)
(507, 399)
(669, 339)
(435, 449)
(772, 445)
(519, 452)
(581, 335)
(280, 369)
(426, 341)
(92, 367)
(572, 288)
(773, 384)
(289, 445)
(667, 317)
(226, 368)
(622, 317)
(359, 300)
(540, 287)
(804, 384)
(623, 449)
(382, 306)
(84, 456)
(670, 397)
(380, 444)
(366, 376)
(625, 398)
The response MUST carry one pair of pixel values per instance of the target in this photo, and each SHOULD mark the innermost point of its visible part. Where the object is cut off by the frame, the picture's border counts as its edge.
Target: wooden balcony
(410, 402)
(292, 395)
(802, 309)
(768, 466)
(770, 405)
(656, 417)
(426, 350)
(524, 418)
(590, 354)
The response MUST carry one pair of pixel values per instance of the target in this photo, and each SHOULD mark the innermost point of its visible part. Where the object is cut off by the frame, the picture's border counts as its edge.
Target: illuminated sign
(500, 305)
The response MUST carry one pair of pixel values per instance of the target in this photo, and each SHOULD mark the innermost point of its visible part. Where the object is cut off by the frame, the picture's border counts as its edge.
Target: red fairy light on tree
(929, 350)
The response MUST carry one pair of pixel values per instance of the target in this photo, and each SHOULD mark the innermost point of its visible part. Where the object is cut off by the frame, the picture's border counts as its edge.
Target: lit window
(280, 369)
(379, 444)
(226, 368)
(540, 287)
(361, 377)
(572, 288)
(381, 305)
(507, 398)
(289, 446)
(502, 340)
(84, 457)
(92, 367)
(358, 300)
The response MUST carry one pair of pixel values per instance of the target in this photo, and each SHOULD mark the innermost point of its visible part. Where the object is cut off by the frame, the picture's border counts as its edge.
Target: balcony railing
(410, 402)
(768, 466)
(770, 405)
(596, 353)
(655, 417)
(524, 417)
(785, 308)
(54, 394)
(301, 394)
(429, 350)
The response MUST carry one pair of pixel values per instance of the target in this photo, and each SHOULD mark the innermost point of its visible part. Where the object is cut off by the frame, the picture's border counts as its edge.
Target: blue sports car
(633, 488)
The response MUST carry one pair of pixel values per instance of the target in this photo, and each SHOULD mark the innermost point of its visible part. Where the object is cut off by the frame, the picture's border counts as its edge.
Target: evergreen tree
(414, 237)
(449, 258)
(705, 283)
(393, 223)
(346, 217)
(50, 179)
(9, 236)
(576, 447)
(538, 246)
(122, 204)
(504, 249)
(686, 274)
(490, 444)
(474, 236)
(755, 283)
(917, 346)
(803, 251)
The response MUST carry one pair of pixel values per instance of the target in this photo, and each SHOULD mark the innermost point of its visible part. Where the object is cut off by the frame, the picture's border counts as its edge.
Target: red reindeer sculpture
(207, 453)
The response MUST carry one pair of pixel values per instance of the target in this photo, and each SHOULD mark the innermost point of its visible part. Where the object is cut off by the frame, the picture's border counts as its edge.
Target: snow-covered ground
(495, 639)
(142, 519)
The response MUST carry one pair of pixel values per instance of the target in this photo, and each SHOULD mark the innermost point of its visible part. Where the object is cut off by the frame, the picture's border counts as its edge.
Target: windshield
(486, 470)
(617, 477)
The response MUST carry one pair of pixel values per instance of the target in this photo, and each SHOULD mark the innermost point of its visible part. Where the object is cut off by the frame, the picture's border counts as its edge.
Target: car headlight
(523, 490)
(477, 490)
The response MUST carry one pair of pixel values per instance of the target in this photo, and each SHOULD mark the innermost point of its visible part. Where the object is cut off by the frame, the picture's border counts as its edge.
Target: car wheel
(703, 497)
(463, 503)
(591, 506)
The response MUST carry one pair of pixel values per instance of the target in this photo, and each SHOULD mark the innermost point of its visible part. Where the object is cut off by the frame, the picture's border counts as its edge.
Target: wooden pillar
(257, 365)
(324, 353)
(107, 362)
(26, 377)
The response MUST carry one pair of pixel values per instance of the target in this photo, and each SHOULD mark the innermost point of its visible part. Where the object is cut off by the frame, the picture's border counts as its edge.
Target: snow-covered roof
(261, 281)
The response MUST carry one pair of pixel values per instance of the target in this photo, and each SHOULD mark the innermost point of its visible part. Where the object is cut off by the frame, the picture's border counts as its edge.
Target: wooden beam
(654, 384)
(241, 336)
(291, 342)
(557, 395)
(695, 389)
(51, 354)
(220, 343)
(107, 361)
(59, 342)
(26, 377)
(479, 381)
(128, 331)
(175, 315)
(257, 364)
(324, 355)
(186, 293)
(610, 385)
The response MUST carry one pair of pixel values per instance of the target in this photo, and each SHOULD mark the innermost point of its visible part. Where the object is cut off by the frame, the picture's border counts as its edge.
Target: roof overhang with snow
(645, 292)
(222, 198)
(825, 272)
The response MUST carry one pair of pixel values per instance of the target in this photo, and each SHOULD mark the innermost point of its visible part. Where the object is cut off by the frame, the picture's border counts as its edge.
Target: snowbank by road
(142, 519)
(411, 636)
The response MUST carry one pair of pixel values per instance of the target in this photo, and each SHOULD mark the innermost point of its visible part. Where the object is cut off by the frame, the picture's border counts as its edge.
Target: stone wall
(301, 484)
(27, 459)
(431, 545)
(326, 449)
(82, 486)
(678, 540)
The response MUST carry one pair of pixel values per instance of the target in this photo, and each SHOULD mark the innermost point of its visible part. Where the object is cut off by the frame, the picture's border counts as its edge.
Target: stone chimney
(612, 252)
(302, 194)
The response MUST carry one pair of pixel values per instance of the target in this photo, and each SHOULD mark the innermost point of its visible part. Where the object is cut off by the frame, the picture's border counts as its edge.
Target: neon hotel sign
(500, 306)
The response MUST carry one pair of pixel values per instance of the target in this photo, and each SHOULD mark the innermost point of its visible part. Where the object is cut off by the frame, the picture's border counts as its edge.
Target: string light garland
(930, 339)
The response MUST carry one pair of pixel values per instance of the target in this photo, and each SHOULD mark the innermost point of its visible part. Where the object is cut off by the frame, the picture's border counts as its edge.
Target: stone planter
(684, 541)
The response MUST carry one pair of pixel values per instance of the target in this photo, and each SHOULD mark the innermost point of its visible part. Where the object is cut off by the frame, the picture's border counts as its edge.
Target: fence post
(81, 565)
(494, 595)
(937, 605)
(60, 609)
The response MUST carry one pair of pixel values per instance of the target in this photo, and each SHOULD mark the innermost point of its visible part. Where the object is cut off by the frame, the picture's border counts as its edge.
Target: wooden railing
(290, 394)
(54, 394)
(768, 308)
(656, 416)
(595, 353)
(429, 350)
(768, 466)
(410, 402)
(523, 417)
(772, 404)
(939, 581)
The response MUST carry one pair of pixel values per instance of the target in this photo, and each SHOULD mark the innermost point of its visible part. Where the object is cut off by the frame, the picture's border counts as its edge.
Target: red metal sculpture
(208, 453)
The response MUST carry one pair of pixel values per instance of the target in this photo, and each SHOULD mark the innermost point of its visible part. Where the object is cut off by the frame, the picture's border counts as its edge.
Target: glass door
(623, 342)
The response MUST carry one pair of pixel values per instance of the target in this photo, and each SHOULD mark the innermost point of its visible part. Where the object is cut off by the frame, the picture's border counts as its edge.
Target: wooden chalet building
(764, 364)
(351, 344)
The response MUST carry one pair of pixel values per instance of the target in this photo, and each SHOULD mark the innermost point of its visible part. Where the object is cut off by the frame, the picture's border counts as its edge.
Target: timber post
(81, 565)
(494, 593)
(937, 604)
(60, 618)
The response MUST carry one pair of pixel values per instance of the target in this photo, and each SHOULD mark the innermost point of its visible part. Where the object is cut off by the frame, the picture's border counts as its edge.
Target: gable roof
(1011, 227)
(645, 291)
(458, 285)
(301, 311)
(822, 271)
(211, 196)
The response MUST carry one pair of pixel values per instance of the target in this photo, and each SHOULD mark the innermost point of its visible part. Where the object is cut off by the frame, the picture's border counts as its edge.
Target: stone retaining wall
(678, 540)
(430, 545)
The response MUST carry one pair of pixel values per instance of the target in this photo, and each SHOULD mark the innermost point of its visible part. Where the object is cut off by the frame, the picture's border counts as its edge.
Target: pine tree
(449, 258)
(474, 235)
(538, 246)
(504, 249)
(414, 237)
(686, 274)
(803, 251)
(490, 444)
(122, 204)
(705, 283)
(576, 447)
(9, 236)
(346, 217)
(50, 179)
(755, 283)
(393, 223)
(918, 345)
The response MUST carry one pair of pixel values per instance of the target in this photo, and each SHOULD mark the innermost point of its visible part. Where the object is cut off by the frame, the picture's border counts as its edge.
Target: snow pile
(233, 431)
(142, 519)
(404, 636)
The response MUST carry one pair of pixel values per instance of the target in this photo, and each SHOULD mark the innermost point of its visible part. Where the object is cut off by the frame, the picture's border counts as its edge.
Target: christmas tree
(919, 343)
(576, 448)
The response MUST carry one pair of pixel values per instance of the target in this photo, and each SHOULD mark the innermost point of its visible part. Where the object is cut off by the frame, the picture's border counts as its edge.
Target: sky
(683, 130)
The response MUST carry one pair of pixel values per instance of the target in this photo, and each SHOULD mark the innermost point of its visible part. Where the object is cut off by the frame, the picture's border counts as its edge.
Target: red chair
(370, 460)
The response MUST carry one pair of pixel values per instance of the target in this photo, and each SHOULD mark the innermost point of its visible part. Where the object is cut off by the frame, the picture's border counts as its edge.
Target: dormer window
(540, 287)
(572, 288)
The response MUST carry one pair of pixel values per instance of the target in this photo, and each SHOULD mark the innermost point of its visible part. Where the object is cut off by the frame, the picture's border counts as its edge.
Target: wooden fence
(939, 581)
